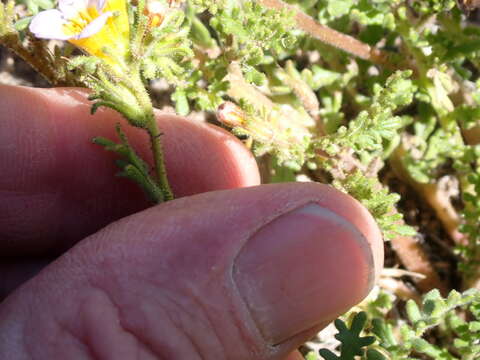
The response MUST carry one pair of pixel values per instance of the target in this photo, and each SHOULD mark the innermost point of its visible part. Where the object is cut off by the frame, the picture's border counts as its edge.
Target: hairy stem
(329, 36)
(38, 58)
(155, 138)
(159, 159)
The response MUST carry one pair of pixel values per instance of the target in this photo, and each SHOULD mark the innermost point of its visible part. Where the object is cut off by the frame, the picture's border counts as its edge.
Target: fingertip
(199, 157)
(65, 187)
(216, 160)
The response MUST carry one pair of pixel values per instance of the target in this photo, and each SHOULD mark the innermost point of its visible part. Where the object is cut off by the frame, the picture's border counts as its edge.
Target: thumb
(238, 274)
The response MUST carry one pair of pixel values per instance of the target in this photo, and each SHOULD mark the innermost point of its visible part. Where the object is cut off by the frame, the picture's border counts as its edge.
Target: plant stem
(159, 160)
(155, 137)
(329, 36)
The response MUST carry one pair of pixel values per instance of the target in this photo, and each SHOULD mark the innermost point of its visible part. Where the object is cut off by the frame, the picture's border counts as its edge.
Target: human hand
(245, 273)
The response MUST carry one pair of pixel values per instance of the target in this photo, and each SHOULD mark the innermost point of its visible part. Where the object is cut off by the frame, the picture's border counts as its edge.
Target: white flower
(92, 25)
(74, 19)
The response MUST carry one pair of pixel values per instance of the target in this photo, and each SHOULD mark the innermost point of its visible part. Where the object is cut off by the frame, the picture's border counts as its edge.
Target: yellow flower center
(83, 18)
(109, 43)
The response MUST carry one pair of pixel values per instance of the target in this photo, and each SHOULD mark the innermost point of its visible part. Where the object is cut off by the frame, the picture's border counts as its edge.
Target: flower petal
(70, 8)
(49, 24)
(99, 4)
(94, 27)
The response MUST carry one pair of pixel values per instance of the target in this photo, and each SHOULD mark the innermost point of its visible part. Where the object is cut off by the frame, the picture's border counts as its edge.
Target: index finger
(57, 187)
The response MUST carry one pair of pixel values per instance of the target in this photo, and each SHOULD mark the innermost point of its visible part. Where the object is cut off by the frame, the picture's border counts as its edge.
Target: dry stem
(435, 197)
(399, 288)
(413, 257)
(329, 36)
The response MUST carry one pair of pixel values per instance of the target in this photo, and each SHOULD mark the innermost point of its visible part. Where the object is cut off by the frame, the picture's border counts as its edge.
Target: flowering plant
(370, 96)
(100, 27)
(119, 57)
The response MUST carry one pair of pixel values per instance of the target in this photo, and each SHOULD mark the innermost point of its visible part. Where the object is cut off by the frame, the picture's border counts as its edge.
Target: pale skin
(246, 273)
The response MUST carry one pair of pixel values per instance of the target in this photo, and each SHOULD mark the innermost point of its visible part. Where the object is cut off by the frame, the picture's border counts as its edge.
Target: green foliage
(34, 6)
(211, 5)
(382, 337)
(352, 342)
(369, 136)
(243, 30)
(166, 49)
(251, 31)
(435, 312)
(434, 6)
(131, 165)
(378, 200)
(368, 132)
(470, 250)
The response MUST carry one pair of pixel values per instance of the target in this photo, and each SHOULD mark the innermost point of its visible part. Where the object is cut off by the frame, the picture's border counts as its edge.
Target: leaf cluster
(131, 165)
(370, 131)
(378, 200)
(470, 250)
(249, 31)
(457, 317)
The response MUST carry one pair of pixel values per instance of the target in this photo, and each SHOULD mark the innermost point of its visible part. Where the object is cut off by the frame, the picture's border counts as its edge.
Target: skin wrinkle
(52, 343)
(200, 304)
(161, 306)
(178, 308)
(85, 339)
(194, 344)
(56, 324)
(239, 323)
(78, 340)
(251, 343)
(107, 267)
(138, 340)
(24, 332)
(182, 326)
(25, 345)
(147, 345)
(178, 326)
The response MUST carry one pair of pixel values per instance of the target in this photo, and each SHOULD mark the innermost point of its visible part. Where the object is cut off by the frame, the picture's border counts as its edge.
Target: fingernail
(301, 269)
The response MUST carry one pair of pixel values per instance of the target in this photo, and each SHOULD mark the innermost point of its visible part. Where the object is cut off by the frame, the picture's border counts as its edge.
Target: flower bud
(231, 114)
(156, 11)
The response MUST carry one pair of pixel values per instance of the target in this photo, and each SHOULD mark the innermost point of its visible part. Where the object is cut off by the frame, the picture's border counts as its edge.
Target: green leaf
(340, 7)
(23, 23)
(352, 344)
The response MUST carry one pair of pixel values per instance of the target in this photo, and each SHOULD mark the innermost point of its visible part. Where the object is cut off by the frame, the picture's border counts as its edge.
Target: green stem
(155, 137)
(159, 160)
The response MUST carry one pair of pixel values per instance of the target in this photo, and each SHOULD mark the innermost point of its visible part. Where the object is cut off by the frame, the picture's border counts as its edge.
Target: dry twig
(329, 36)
